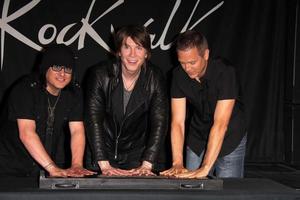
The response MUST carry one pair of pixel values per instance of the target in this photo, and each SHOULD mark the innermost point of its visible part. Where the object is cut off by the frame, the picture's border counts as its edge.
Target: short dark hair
(57, 54)
(190, 39)
(137, 33)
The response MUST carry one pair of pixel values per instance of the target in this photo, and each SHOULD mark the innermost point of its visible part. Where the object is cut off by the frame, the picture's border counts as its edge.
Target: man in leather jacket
(126, 107)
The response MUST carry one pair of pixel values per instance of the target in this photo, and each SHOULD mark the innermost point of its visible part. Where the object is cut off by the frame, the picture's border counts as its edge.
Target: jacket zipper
(116, 148)
(117, 141)
(119, 134)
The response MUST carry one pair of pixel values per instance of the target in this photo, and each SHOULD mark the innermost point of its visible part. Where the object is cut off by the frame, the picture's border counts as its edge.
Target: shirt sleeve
(21, 102)
(228, 85)
(176, 91)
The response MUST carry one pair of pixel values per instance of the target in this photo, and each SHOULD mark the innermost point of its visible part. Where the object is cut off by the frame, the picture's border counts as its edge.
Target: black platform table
(27, 189)
(101, 182)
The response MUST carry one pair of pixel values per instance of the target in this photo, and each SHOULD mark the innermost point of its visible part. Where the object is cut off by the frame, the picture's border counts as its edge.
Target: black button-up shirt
(218, 83)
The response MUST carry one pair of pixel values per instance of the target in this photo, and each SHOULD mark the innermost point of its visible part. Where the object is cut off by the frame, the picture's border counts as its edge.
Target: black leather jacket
(136, 135)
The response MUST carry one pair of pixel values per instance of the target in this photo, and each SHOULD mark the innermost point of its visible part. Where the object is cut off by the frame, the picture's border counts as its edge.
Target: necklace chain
(132, 83)
(52, 108)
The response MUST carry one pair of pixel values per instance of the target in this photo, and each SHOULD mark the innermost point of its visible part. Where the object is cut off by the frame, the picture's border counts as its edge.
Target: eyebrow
(190, 61)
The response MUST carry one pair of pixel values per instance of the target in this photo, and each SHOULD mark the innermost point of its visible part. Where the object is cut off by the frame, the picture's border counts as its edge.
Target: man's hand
(79, 171)
(173, 171)
(143, 170)
(108, 170)
(55, 171)
(112, 171)
(200, 173)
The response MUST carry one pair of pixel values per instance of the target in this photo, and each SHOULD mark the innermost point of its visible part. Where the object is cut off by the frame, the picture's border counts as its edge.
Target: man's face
(57, 80)
(193, 63)
(132, 55)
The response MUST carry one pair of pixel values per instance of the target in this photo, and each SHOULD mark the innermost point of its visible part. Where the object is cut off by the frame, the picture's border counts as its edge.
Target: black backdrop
(251, 34)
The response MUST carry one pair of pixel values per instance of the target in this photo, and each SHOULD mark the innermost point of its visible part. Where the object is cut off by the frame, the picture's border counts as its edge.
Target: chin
(192, 76)
(133, 69)
(61, 86)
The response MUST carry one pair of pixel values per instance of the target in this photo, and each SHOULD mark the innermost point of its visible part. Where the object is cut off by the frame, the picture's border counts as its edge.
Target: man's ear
(206, 54)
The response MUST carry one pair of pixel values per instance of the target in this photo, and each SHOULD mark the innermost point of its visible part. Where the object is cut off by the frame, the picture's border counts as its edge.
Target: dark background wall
(257, 36)
(292, 89)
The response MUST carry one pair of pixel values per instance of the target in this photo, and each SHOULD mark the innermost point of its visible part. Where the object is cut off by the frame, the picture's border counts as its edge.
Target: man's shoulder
(178, 72)
(219, 67)
(178, 69)
(104, 68)
(221, 64)
(154, 69)
(27, 82)
(25, 89)
(72, 96)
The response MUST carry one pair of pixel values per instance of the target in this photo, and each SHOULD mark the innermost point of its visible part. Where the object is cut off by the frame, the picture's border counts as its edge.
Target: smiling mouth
(61, 79)
(132, 61)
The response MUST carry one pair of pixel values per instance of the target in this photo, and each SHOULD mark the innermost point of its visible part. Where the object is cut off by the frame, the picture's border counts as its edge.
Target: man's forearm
(77, 148)
(36, 149)
(177, 141)
(214, 146)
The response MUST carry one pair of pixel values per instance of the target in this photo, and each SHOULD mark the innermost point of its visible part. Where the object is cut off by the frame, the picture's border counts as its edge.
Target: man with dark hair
(216, 141)
(40, 106)
(126, 107)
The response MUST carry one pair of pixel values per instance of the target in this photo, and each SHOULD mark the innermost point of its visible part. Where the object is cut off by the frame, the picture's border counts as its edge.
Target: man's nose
(62, 72)
(187, 67)
(132, 52)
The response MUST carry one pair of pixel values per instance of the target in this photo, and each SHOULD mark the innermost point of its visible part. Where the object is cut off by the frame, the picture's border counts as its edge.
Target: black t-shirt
(29, 100)
(218, 83)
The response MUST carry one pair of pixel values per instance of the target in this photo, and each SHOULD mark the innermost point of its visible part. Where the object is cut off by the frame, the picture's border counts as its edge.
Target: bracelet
(51, 164)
